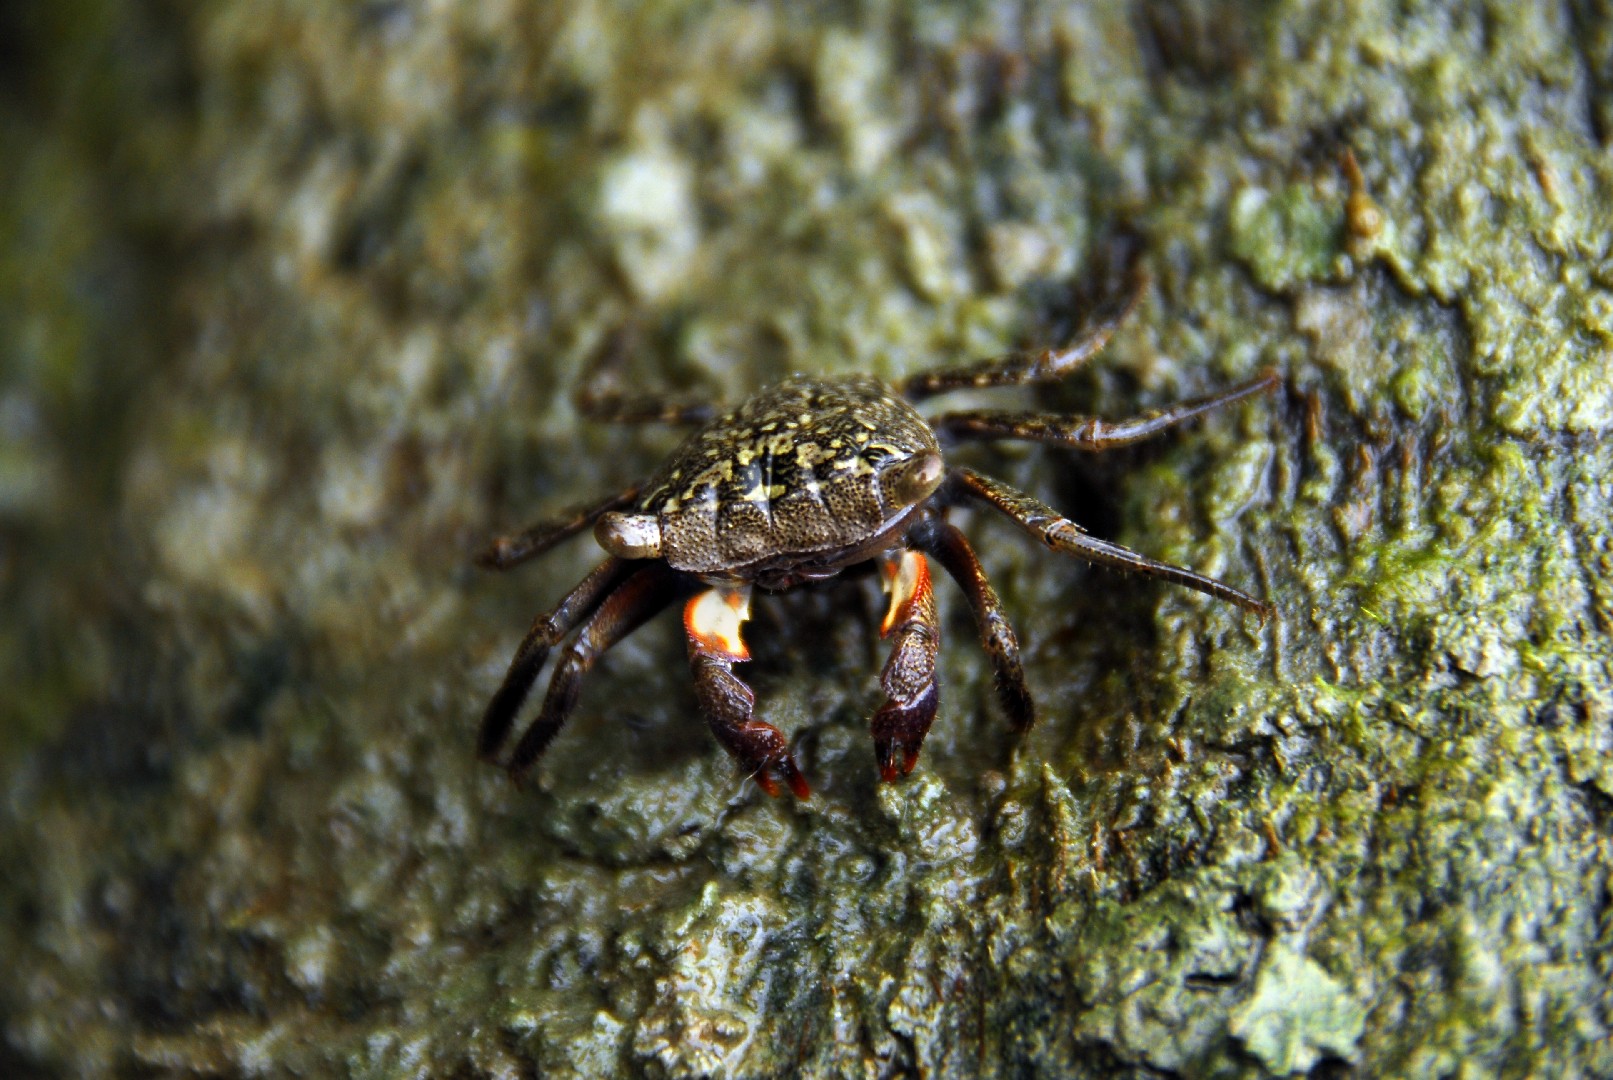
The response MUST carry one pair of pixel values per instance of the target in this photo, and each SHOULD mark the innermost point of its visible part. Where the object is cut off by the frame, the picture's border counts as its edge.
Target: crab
(793, 486)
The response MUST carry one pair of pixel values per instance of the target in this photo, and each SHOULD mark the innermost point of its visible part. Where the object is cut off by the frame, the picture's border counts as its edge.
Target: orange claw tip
(798, 785)
(766, 783)
(896, 764)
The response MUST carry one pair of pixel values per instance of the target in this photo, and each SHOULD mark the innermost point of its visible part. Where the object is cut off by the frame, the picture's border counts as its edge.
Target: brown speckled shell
(793, 473)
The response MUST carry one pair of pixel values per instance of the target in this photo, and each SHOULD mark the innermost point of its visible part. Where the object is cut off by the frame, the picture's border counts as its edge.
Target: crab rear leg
(648, 589)
(1121, 286)
(712, 620)
(911, 694)
(620, 408)
(548, 630)
(505, 552)
(601, 398)
(1089, 432)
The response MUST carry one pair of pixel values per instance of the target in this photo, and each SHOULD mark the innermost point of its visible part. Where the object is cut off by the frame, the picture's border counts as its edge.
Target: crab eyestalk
(629, 536)
(913, 479)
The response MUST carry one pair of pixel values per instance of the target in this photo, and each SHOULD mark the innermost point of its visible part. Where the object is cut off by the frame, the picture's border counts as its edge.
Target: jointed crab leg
(1089, 432)
(618, 408)
(1040, 365)
(712, 620)
(649, 587)
(599, 398)
(900, 725)
(951, 549)
(507, 551)
(548, 630)
(1062, 534)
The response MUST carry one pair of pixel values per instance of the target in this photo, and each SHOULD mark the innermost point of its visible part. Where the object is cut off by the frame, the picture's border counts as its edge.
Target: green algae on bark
(292, 298)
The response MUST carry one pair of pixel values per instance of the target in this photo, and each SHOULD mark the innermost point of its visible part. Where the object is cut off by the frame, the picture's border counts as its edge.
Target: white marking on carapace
(907, 577)
(713, 618)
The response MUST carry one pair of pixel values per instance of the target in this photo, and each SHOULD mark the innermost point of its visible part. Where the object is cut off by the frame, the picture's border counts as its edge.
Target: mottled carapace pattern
(799, 470)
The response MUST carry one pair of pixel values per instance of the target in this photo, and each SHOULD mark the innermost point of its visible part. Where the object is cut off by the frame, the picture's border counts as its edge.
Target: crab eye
(629, 536)
(913, 479)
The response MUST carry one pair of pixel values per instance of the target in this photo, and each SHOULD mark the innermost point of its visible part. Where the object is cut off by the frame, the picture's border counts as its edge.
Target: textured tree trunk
(294, 298)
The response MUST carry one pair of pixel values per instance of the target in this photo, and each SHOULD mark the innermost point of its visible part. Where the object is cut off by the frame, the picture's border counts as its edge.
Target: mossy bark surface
(293, 299)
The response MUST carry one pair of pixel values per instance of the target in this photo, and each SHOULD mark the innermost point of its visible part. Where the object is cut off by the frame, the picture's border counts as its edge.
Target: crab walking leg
(1042, 365)
(909, 681)
(712, 620)
(600, 398)
(649, 589)
(1062, 534)
(507, 551)
(617, 408)
(1089, 432)
(548, 630)
(951, 549)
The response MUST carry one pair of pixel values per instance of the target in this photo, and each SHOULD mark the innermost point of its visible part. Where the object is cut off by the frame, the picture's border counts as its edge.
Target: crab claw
(765, 749)
(786, 770)
(899, 731)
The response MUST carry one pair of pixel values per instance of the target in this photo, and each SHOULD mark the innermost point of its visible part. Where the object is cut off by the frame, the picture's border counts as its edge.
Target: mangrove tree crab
(795, 485)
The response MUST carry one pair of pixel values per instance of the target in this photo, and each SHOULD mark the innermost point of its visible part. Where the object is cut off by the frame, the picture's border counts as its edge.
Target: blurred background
(294, 298)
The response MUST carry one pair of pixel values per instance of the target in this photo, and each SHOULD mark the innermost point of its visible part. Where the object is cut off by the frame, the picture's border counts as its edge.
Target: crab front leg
(909, 679)
(952, 550)
(712, 620)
